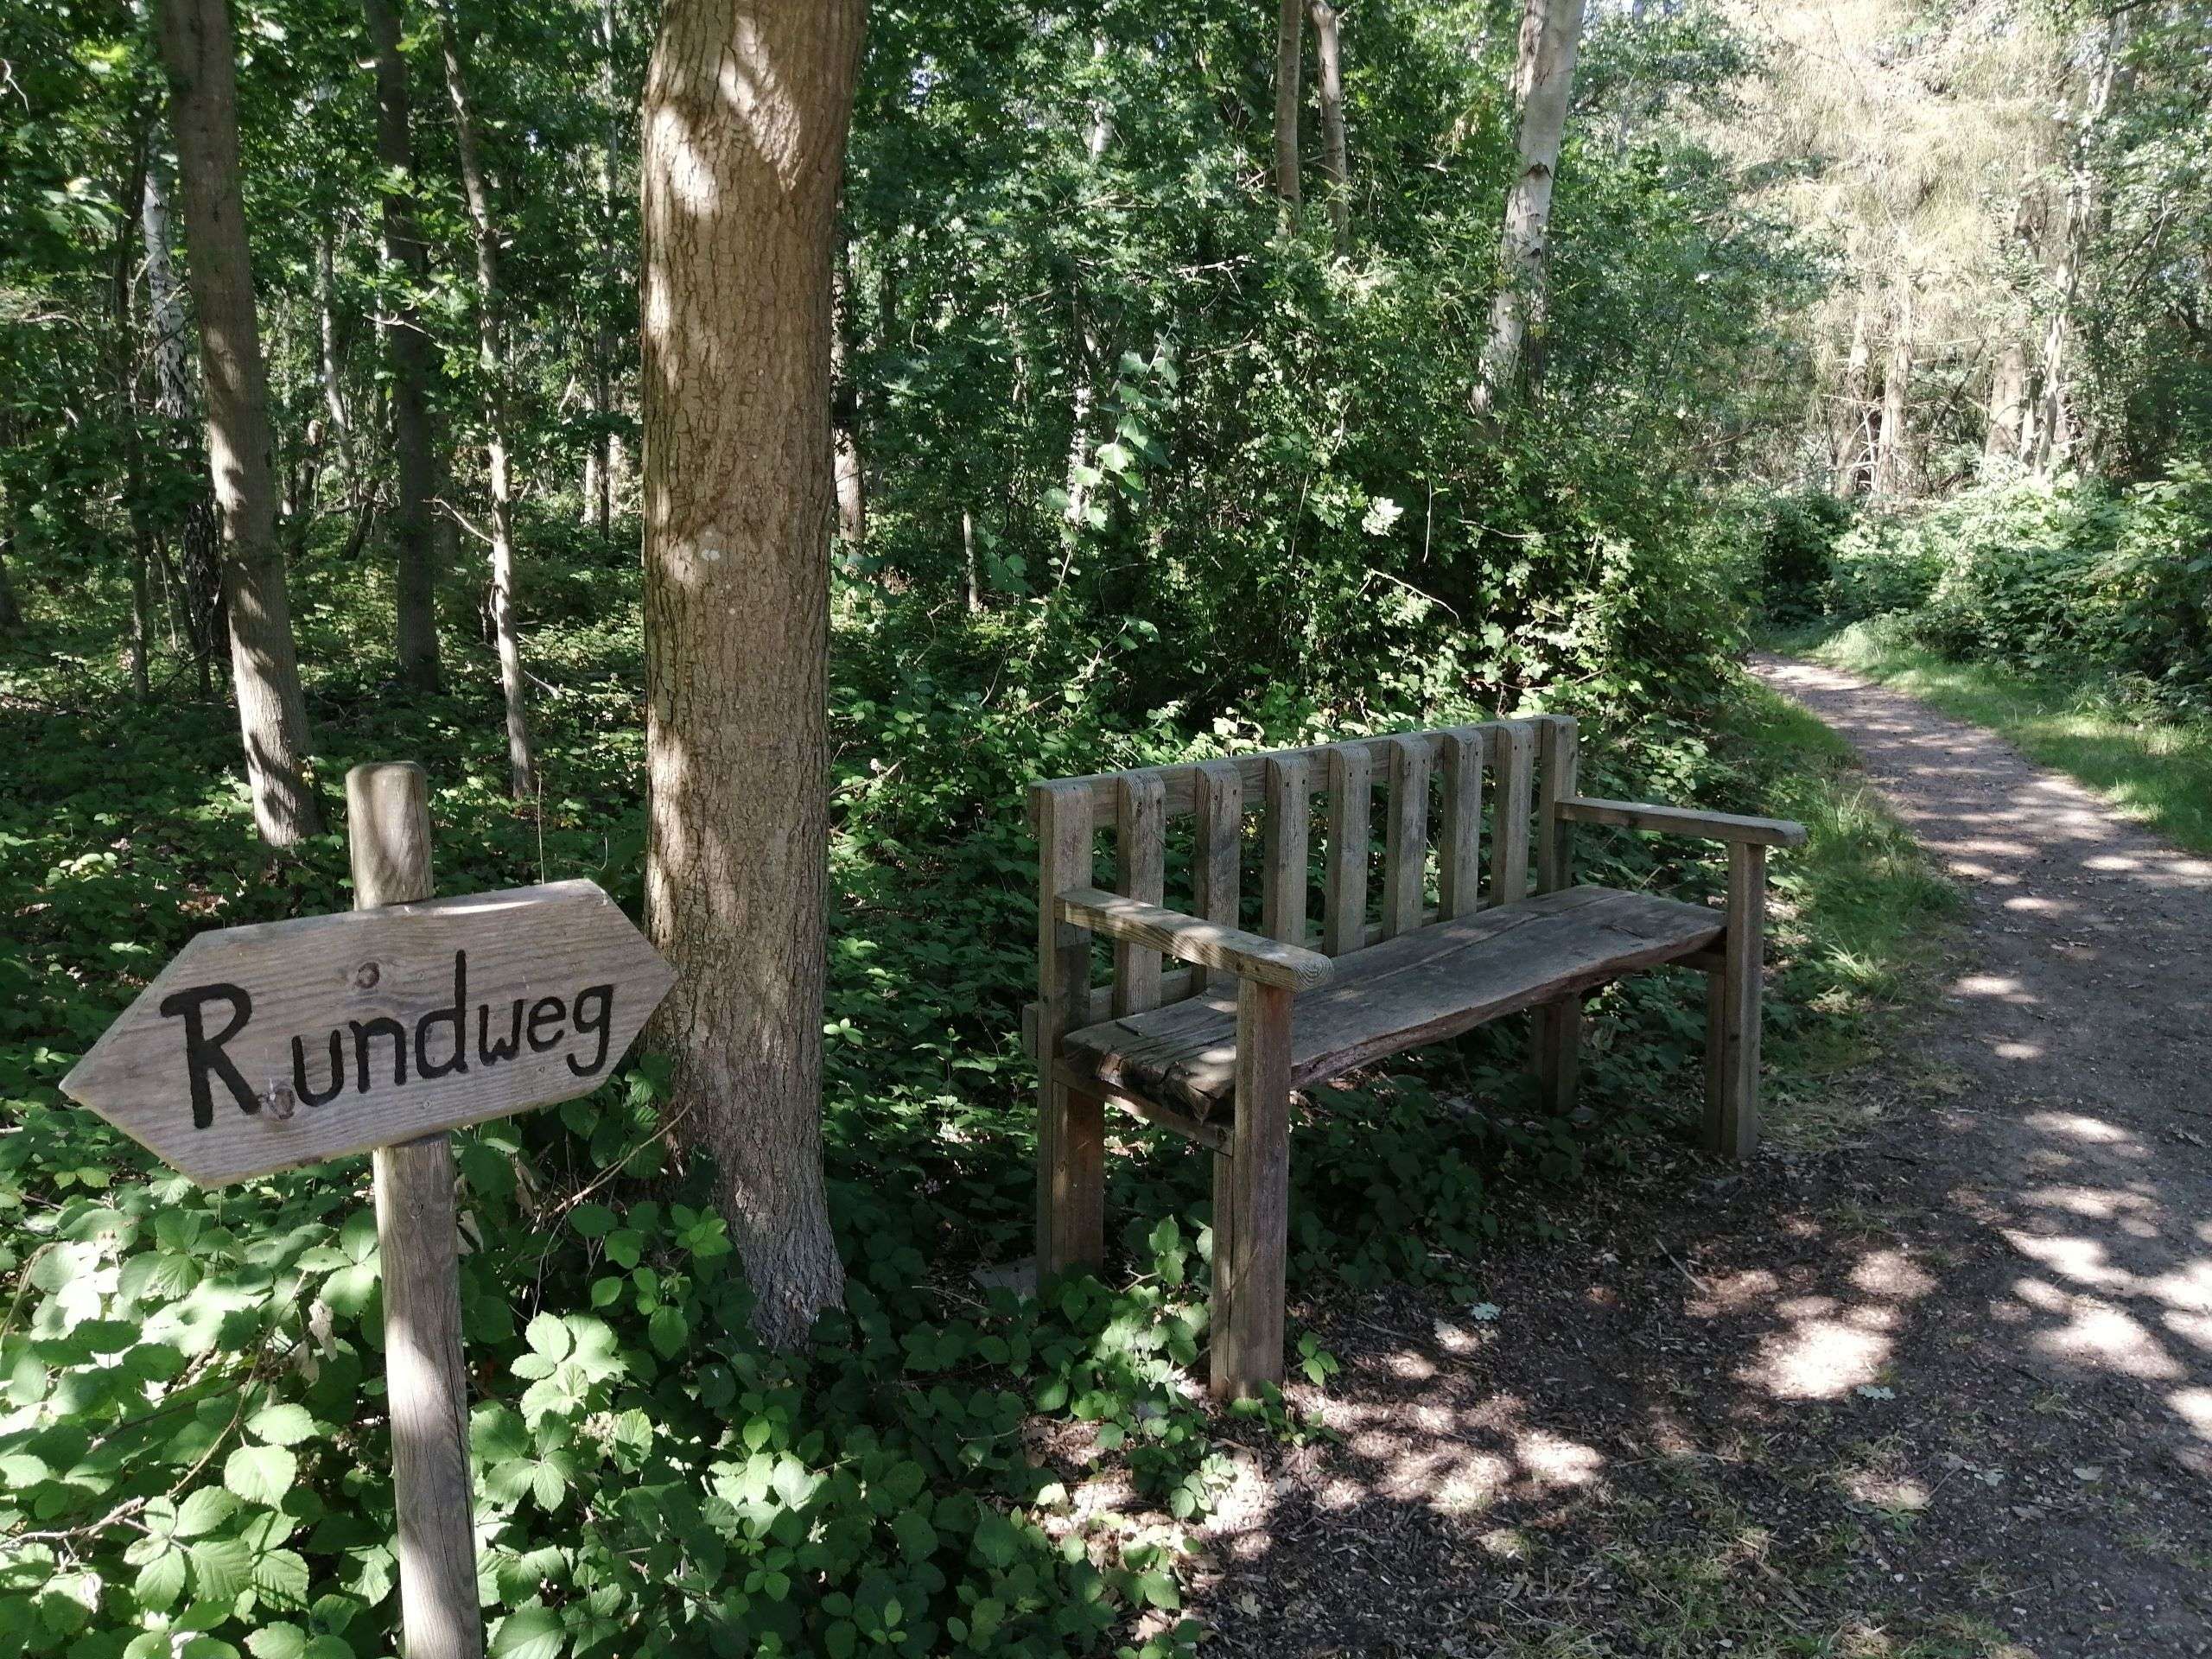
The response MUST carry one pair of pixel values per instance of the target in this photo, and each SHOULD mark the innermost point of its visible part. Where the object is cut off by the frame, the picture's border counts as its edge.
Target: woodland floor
(1940, 1384)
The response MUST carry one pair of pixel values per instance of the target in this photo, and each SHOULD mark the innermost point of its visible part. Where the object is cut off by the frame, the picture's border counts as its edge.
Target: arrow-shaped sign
(259, 1048)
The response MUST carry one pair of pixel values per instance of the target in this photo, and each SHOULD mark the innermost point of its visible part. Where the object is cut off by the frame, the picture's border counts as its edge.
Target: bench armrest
(1683, 821)
(1248, 956)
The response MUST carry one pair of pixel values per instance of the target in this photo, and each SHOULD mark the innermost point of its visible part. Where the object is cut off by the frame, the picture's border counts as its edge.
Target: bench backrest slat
(1405, 852)
(1217, 845)
(1459, 853)
(1351, 792)
(1530, 763)
(1288, 804)
(1140, 857)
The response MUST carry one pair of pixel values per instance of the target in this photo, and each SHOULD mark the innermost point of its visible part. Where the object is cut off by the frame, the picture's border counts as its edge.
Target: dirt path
(1943, 1391)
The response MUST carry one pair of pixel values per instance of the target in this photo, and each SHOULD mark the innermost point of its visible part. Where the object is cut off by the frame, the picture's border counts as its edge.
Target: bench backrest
(1429, 778)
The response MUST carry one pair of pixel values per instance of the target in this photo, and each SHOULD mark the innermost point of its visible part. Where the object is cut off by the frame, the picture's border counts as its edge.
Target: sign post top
(264, 1048)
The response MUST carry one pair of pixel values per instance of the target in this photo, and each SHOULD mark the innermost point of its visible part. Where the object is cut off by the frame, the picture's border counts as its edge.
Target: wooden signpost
(264, 1047)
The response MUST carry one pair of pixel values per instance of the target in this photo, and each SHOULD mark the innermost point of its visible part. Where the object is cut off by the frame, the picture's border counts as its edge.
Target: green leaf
(260, 1474)
(161, 1581)
(549, 1334)
(916, 1537)
(530, 1633)
(220, 1568)
(284, 1424)
(278, 1640)
(668, 1331)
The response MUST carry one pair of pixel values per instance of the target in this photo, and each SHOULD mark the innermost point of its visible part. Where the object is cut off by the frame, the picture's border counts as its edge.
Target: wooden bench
(1215, 1046)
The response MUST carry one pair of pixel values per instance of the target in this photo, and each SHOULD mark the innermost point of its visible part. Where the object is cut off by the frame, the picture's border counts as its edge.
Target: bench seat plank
(1418, 987)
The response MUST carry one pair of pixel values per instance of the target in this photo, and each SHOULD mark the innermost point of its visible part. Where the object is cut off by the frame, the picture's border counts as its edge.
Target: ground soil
(1942, 1387)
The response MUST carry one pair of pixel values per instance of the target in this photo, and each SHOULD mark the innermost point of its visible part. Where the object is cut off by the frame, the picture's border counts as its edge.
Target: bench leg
(1251, 1224)
(1732, 1012)
(1071, 1180)
(1558, 1040)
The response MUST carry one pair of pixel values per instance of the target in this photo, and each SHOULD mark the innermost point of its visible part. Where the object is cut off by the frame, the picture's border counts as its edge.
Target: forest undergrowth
(192, 1430)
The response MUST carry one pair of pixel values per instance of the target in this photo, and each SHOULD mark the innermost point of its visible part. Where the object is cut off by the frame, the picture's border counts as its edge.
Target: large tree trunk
(1551, 32)
(408, 349)
(1290, 22)
(740, 198)
(272, 715)
(1336, 155)
(2008, 402)
(492, 360)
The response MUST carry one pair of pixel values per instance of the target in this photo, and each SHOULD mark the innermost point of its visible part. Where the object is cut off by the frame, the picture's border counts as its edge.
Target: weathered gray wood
(1558, 763)
(1555, 1028)
(383, 1016)
(1458, 852)
(1247, 1323)
(1351, 785)
(1417, 989)
(1212, 1137)
(1512, 760)
(1071, 1174)
(1405, 851)
(1217, 850)
(1247, 956)
(1685, 821)
(1179, 780)
(1283, 874)
(1142, 854)
(426, 1388)
(1732, 1043)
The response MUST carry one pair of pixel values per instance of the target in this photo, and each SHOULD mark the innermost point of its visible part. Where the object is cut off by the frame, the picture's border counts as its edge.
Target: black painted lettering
(455, 1016)
(382, 1025)
(489, 1052)
(599, 1023)
(317, 1098)
(546, 1014)
(203, 1055)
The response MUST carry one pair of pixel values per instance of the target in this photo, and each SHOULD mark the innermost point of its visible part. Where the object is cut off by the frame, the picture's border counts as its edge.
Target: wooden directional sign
(259, 1048)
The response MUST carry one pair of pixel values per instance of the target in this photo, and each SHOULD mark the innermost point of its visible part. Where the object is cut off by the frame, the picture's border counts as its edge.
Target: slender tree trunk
(164, 302)
(1893, 455)
(2008, 401)
(845, 411)
(1852, 423)
(11, 612)
(1551, 32)
(599, 477)
(196, 48)
(739, 221)
(408, 349)
(1336, 155)
(492, 360)
(1290, 22)
(124, 347)
(2049, 437)
(332, 362)
(972, 566)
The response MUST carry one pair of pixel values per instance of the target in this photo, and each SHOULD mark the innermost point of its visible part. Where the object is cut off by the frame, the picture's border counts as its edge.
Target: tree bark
(408, 350)
(2008, 402)
(1290, 22)
(598, 469)
(1551, 33)
(196, 48)
(1336, 155)
(491, 361)
(124, 347)
(747, 107)
(331, 363)
(164, 304)
(1893, 451)
(1852, 423)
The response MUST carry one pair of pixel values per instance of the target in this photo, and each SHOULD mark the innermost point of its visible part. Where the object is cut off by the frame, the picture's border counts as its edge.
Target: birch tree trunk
(1336, 155)
(196, 48)
(2049, 438)
(1551, 33)
(1853, 425)
(333, 385)
(164, 303)
(1893, 452)
(598, 466)
(491, 362)
(1290, 22)
(124, 345)
(408, 348)
(845, 412)
(2008, 402)
(747, 106)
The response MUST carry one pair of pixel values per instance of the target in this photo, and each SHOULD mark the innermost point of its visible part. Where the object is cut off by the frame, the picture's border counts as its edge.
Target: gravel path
(1943, 1389)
